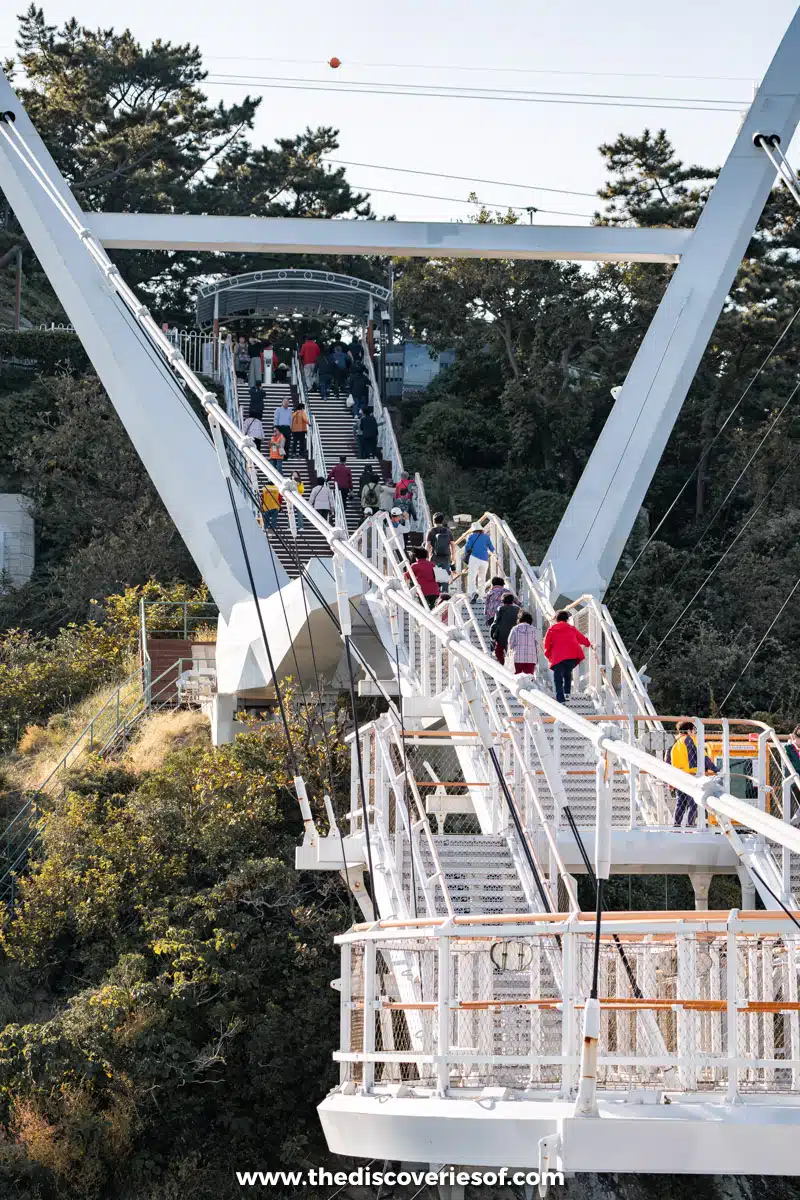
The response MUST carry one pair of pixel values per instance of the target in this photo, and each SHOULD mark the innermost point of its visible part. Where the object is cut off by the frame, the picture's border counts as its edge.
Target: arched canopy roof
(271, 294)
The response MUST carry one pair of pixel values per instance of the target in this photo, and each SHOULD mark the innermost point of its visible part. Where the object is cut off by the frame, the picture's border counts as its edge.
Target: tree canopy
(132, 130)
(511, 425)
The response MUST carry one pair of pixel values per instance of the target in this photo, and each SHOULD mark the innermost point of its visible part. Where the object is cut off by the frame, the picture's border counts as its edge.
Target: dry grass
(42, 747)
(164, 732)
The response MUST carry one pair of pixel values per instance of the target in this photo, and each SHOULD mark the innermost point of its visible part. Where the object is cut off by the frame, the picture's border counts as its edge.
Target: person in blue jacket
(476, 558)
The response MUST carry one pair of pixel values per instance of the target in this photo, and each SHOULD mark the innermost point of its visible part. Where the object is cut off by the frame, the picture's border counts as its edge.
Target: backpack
(441, 542)
(371, 497)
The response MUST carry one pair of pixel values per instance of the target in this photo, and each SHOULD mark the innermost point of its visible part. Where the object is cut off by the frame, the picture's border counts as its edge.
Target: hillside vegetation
(165, 999)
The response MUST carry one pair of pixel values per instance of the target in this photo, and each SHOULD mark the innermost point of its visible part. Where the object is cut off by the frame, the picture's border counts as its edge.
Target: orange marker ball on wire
(334, 62)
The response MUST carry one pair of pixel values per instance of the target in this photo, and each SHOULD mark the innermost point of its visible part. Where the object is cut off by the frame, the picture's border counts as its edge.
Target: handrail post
(762, 771)
(700, 769)
(368, 1067)
(732, 1014)
(443, 1014)
(345, 1010)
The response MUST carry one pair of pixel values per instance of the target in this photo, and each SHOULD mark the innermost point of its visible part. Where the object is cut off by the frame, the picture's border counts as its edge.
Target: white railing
(608, 673)
(397, 823)
(423, 520)
(691, 1002)
(339, 514)
(315, 451)
(387, 440)
(202, 351)
(709, 794)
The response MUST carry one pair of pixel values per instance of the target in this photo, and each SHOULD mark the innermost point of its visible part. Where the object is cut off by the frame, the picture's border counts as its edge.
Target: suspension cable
(772, 624)
(360, 762)
(406, 804)
(725, 554)
(264, 638)
(715, 438)
(527, 694)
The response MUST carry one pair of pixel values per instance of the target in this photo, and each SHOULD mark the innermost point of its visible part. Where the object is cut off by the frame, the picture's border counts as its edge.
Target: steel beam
(170, 440)
(430, 239)
(592, 535)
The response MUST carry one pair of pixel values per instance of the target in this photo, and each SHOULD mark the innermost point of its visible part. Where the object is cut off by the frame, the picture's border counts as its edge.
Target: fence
(691, 1002)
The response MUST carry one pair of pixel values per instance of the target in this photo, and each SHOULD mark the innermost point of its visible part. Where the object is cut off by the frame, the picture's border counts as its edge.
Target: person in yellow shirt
(683, 755)
(297, 481)
(271, 501)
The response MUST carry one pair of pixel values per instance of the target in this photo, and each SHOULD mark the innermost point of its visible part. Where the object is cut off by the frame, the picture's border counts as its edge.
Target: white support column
(593, 532)
(223, 710)
(701, 882)
(172, 443)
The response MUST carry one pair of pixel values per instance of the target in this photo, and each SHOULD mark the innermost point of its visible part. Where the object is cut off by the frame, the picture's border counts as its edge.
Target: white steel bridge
(485, 1020)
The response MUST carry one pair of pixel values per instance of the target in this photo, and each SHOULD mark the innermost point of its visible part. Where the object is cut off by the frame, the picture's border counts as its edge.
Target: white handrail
(317, 454)
(708, 794)
(387, 439)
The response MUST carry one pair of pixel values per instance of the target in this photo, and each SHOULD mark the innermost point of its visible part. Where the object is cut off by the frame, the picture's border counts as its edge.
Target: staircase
(335, 425)
(480, 874)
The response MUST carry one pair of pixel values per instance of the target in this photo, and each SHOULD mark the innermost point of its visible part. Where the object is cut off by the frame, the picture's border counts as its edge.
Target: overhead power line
(531, 187)
(375, 88)
(462, 200)
(481, 69)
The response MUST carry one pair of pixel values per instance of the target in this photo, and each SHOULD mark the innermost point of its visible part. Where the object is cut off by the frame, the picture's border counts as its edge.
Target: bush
(50, 349)
(186, 1015)
(40, 675)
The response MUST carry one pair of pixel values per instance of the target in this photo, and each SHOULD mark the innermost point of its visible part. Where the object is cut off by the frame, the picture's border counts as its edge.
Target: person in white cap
(399, 527)
(476, 558)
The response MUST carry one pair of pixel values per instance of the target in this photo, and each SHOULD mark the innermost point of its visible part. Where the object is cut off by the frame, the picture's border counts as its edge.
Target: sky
(686, 50)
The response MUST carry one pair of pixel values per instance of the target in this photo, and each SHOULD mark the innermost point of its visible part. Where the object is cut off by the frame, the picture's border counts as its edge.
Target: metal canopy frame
(285, 291)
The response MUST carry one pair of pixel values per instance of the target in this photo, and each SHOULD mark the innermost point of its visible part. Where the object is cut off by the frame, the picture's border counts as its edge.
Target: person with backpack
(325, 373)
(322, 500)
(563, 647)
(370, 495)
(368, 432)
(504, 622)
(683, 755)
(253, 427)
(403, 486)
(442, 545)
(341, 365)
(476, 559)
(494, 598)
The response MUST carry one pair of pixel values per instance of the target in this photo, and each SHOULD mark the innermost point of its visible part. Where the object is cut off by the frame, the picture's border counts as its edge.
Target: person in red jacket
(308, 355)
(563, 648)
(344, 478)
(423, 571)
